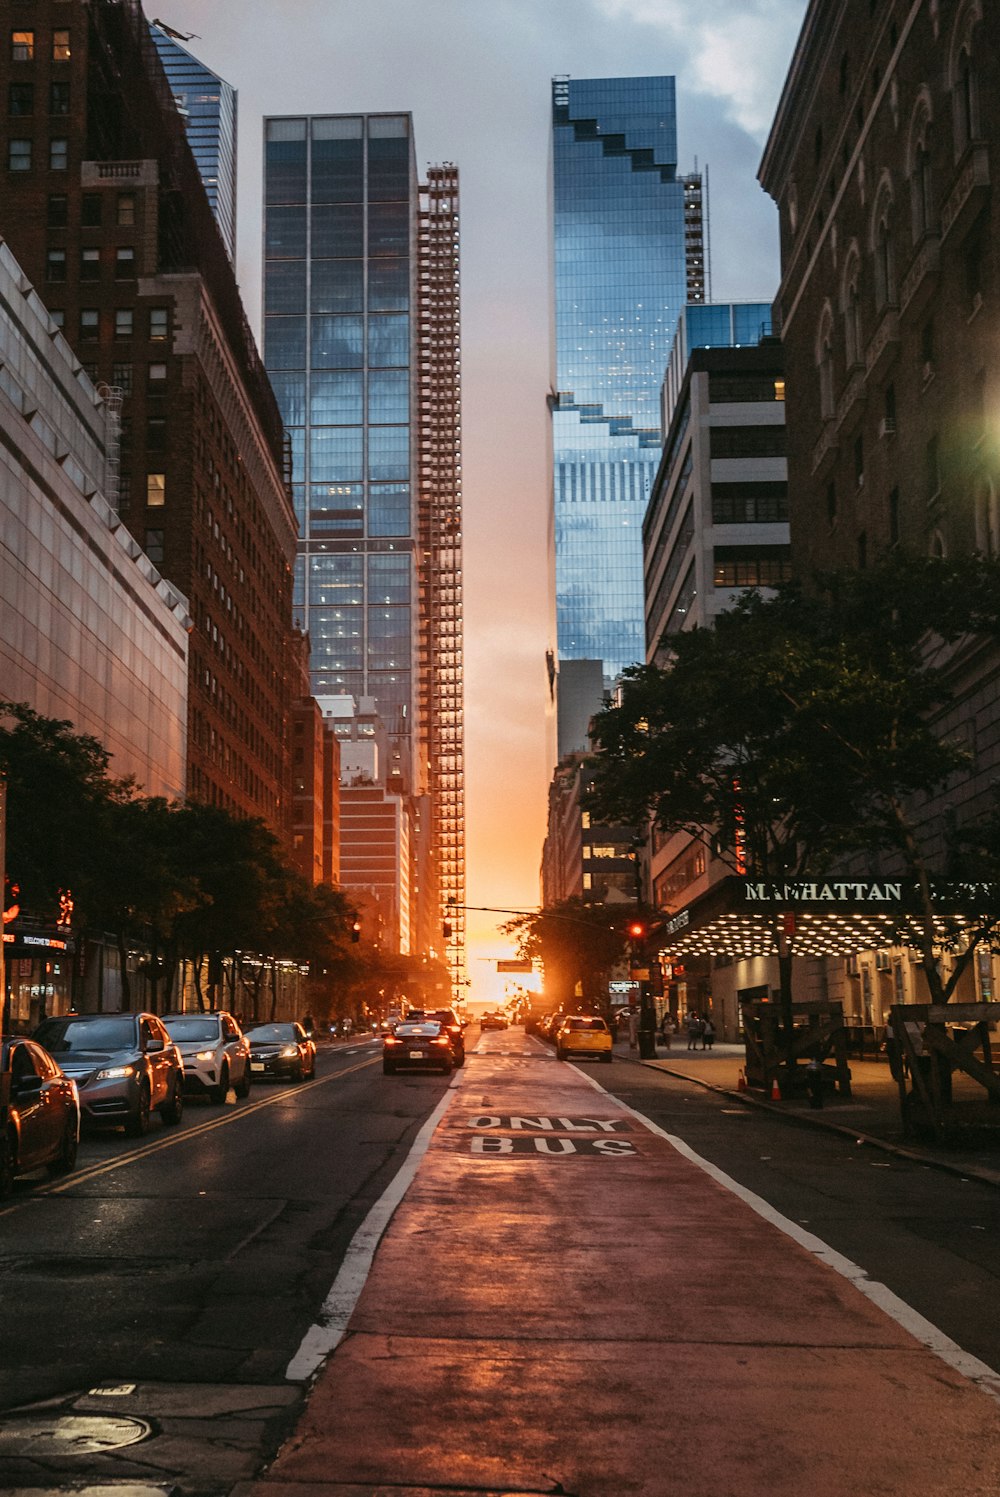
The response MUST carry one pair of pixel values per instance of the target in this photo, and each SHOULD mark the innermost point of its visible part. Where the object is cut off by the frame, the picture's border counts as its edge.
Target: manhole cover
(42, 1436)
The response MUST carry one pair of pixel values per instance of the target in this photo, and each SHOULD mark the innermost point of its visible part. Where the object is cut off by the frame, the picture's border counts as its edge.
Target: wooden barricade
(818, 1034)
(930, 1044)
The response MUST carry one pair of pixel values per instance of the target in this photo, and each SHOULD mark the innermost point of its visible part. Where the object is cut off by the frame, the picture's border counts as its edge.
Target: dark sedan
(422, 1046)
(43, 1118)
(278, 1050)
(124, 1065)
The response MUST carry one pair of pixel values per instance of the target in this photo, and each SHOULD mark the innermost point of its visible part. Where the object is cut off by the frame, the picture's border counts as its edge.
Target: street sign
(515, 964)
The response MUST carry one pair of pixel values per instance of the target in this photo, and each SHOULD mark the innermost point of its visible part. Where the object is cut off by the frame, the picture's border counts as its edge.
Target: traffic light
(356, 931)
(636, 930)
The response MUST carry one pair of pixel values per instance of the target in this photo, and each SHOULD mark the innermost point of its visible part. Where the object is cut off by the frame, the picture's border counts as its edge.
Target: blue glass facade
(620, 282)
(207, 105)
(340, 205)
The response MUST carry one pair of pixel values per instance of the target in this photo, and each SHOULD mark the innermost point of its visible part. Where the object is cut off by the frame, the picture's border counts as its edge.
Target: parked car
(452, 1025)
(124, 1065)
(215, 1052)
(43, 1118)
(491, 1020)
(584, 1035)
(418, 1045)
(278, 1050)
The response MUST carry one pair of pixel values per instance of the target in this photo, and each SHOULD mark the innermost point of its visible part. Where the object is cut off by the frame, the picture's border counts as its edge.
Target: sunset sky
(476, 74)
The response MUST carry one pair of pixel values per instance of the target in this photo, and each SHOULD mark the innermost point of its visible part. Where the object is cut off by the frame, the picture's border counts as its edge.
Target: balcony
(969, 193)
(884, 344)
(920, 281)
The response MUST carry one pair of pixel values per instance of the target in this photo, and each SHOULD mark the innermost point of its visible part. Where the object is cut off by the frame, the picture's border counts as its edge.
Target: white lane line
(322, 1338)
(911, 1320)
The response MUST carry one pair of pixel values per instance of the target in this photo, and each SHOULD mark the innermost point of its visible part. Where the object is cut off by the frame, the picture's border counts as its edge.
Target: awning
(742, 917)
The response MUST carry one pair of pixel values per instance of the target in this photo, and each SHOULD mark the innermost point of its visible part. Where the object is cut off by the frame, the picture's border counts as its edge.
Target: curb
(916, 1156)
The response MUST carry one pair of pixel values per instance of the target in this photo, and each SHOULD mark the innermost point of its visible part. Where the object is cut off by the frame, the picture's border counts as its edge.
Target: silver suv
(215, 1053)
(124, 1065)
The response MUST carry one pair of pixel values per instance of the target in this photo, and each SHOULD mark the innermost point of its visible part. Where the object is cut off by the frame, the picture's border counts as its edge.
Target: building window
(889, 419)
(121, 377)
(824, 365)
(123, 322)
(90, 210)
(90, 320)
(927, 348)
(157, 373)
(964, 102)
(19, 155)
(974, 263)
(156, 432)
(21, 99)
(55, 265)
(862, 551)
(60, 46)
(22, 46)
(155, 490)
(751, 566)
(124, 263)
(90, 265)
(745, 441)
(859, 460)
(58, 318)
(125, 216)
(921, 192)
(831, 502)
(158, 323)
(58, 154)
(894, 518)
(58, 98)
(57, 216)
(885, 283)
(154, 547)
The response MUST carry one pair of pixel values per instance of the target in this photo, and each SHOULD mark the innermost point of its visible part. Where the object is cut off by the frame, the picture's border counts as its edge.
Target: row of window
(25, 46)
(21, 99)
(91, 210)
(20, 154)
(124, 323)
(56, 264)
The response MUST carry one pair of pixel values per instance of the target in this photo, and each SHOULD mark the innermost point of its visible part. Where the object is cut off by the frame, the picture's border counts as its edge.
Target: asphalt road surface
(930, 1236)
(200, 1253)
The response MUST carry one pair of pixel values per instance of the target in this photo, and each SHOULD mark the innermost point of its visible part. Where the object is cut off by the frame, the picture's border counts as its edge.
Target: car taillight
(391, 1039)
(440, 1039)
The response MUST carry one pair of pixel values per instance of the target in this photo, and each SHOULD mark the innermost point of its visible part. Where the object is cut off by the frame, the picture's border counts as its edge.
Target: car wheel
(560, 1054)
(607, 1058)
(138, 1123)
(459, 1062)
(66, 1158)
(221, 1092)
(243, 1089)
(387, 1069)
(446, 1068)
(171, 1112)
(8, 1164)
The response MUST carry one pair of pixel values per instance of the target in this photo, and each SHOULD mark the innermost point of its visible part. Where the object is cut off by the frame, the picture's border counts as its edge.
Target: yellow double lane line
(171, 1140)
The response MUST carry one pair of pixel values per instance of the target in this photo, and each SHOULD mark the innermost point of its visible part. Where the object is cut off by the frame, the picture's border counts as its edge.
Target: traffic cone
(741, 1081)
(775, 1091)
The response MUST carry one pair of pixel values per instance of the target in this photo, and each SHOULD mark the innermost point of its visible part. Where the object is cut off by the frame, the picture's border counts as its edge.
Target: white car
(215, 1052)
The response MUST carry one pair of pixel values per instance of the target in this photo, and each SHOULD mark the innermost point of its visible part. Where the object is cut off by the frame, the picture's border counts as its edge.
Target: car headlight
(290, 1050)
(115, 1073)
(205, 1055)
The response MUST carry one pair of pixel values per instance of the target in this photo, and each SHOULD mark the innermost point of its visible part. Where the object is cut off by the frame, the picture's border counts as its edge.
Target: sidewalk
(565, 1302)
(871, 1112)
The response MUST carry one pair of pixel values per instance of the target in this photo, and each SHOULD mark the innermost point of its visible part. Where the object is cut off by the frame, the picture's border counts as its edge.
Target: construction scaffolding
(439, 518)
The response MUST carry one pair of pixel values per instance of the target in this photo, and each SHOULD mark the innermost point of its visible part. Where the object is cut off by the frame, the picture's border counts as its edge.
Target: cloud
(737, 53)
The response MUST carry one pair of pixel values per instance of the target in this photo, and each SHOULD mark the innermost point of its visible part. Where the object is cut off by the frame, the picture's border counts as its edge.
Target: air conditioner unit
(887, 426)
(853, 966)
(882, 962)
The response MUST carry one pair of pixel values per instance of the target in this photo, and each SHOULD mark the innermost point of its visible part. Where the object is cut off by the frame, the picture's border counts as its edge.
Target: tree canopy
(576, 944)
(810, 727)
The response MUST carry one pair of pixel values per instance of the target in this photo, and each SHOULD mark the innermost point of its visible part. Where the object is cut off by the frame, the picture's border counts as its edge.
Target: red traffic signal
(636, 930)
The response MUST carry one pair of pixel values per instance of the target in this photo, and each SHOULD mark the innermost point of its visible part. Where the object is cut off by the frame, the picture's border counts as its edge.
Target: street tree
(577, 945)
(809, 728)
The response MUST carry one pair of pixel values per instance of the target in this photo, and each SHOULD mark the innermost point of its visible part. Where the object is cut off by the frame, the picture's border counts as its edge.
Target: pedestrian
(633, 1029)
(309, 1024)
(707, 1033)
(666, 1029)
(693, 1029)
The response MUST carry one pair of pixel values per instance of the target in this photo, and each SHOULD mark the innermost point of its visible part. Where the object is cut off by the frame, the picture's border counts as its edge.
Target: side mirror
(28, 1086)
(153, 1046)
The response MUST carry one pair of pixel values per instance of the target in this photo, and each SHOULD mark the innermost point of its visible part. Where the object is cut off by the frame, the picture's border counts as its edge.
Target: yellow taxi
(584, 1035)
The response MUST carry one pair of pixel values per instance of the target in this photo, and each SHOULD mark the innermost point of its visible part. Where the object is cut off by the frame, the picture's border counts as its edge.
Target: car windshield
(194, 1028)
(64, 1036)
(282, 1032)
(587, 1024)
(426, 1027)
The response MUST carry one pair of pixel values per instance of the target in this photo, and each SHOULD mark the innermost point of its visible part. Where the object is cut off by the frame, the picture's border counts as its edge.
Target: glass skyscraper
(621, 251)
(361, 342)
(207, 105)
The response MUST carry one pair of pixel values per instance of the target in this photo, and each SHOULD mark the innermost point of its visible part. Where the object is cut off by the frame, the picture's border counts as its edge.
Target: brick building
(103, 205)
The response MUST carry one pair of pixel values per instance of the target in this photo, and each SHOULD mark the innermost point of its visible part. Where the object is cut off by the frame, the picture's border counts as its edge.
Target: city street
(172, 1284)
